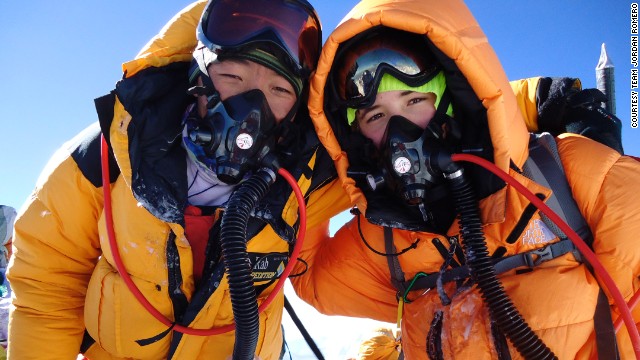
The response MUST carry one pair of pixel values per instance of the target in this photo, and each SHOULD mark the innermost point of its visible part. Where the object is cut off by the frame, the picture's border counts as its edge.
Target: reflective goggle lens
(360, 69)
(290, 24)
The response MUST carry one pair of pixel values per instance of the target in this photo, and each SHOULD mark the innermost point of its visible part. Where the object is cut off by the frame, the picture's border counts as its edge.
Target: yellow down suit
(69, 298)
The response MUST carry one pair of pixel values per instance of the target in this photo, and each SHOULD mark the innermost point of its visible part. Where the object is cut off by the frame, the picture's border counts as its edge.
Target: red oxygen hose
(631, 304)
(140, 297)
(625, 312)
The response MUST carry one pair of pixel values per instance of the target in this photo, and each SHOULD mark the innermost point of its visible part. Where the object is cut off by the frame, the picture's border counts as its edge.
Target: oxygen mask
(407, 160)
(238, 133)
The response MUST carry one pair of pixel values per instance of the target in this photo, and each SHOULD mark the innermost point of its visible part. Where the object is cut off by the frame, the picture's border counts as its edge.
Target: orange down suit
(557, 298)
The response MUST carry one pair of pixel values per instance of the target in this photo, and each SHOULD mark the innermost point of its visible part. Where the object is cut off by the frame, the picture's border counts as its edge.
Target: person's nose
(259, 82)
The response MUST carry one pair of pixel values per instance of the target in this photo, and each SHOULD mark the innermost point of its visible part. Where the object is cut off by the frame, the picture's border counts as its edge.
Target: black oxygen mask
(413, 162)
(406, 160)
(238, 133)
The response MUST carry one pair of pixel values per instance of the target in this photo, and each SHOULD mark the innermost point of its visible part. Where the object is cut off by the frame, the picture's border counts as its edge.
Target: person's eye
(375, 117)
(228, 76)
(282, 91)
(416, 100)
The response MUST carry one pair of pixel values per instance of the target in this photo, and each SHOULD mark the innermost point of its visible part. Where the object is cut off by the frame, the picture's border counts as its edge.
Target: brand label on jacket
(537, 233)
(267, 266)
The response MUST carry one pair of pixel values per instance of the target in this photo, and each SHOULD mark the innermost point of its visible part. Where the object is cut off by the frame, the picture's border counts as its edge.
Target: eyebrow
(232, 59)
(365, 111)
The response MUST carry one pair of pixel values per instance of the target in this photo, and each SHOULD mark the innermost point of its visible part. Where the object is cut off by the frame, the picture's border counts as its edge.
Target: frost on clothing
(558, 298)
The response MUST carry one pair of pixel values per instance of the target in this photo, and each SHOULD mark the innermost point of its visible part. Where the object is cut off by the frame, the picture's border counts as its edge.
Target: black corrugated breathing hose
(233, 241)
(500, 306)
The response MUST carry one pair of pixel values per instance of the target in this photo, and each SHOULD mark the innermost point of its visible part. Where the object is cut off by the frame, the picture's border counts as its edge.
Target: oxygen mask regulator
(413, 163)
(238, 133)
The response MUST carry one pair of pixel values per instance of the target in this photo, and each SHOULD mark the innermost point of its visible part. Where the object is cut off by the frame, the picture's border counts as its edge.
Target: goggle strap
(443, 106)
(207, 87)
(440, 117)
(197, 90)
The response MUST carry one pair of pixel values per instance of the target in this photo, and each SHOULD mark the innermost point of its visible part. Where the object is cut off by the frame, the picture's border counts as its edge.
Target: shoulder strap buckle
(541, 255)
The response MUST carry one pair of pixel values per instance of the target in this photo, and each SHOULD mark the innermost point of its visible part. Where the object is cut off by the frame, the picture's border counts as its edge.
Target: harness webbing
(397, 275)
(528, 259)
(545, 168)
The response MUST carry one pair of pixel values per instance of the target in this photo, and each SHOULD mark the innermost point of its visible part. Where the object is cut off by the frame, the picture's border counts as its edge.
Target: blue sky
(57, 56)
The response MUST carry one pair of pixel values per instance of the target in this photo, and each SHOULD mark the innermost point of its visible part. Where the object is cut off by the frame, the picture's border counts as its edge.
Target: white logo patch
(537, 233)
(402, 165)
(244, 141)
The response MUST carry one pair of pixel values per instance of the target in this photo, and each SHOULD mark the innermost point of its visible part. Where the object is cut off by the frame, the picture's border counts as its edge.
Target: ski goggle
(358, 73)
(291, 25)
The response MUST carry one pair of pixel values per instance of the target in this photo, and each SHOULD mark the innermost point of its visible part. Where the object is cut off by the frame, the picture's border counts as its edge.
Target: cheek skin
(376, 138)
(375, 132)
(280, 108)
(424, 118)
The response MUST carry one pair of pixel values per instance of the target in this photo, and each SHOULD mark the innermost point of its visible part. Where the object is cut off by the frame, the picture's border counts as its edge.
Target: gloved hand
(584, 115)
(564, 107)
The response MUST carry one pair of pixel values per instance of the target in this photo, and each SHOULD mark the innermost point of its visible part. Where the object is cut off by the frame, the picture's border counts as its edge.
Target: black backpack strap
(544, 167)
(605, 331)
(397, 275)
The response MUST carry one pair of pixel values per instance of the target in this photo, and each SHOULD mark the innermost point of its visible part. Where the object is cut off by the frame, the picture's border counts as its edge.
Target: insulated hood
(149, 103)
(464, 50)
(173, 44)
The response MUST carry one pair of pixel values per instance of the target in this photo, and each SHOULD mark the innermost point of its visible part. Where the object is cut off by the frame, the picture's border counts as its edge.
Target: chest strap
(527, 259)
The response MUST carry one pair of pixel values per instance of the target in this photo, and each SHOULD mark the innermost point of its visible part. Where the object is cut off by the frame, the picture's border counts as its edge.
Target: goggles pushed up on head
(291, 25)
(360, 67)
